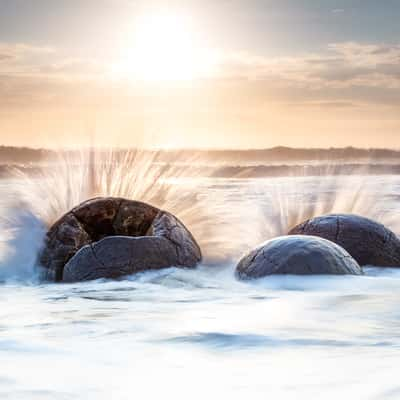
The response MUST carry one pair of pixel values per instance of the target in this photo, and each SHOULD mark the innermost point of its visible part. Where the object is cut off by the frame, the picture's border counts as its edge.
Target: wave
(246, 171)
(21, 237)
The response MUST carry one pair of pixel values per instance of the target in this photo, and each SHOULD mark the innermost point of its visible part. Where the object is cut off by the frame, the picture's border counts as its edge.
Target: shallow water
(200, 333)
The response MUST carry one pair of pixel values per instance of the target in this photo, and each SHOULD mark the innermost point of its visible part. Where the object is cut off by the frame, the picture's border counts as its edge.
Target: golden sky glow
(163, 46)
(199, 74)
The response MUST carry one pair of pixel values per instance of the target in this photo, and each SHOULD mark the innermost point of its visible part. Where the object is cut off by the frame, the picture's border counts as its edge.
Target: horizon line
(201, 149)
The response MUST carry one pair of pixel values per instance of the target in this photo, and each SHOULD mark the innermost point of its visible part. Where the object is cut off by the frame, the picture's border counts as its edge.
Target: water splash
(227, 215)
(292, 200)
(180, 187)
(21, 237)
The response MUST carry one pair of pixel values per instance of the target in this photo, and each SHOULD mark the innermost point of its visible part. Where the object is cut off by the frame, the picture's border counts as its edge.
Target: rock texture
(297, 255)
(111, 237)
(369, 242)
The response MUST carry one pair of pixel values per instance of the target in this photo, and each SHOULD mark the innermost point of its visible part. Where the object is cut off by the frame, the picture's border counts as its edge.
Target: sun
(165, 47)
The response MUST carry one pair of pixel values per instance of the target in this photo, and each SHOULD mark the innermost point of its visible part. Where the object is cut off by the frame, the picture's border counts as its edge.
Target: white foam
(21, 236)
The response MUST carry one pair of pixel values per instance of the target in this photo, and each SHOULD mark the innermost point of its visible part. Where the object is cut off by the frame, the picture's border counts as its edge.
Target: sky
(200, 73)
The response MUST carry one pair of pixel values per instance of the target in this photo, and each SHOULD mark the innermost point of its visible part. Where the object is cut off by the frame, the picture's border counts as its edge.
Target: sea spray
(292, 200)
(228, 216)
(21, 237)
(218, 221)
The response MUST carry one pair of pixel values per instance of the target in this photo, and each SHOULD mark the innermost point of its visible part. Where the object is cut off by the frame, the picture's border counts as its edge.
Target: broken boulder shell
(368, 242)
(297, 255)
(111, 237)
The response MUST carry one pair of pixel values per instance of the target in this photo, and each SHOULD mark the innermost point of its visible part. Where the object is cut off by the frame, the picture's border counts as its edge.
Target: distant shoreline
(26, 155)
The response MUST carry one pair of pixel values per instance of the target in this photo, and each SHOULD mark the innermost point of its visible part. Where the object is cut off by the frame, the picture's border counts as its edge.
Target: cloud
(341, 65)
(21, 59)
(338, 65)
(74, 68)
(325, 104)
(21, 50)
(340, 76)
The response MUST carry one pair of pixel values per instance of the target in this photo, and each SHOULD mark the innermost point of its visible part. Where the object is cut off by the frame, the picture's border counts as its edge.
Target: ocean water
(201, 334)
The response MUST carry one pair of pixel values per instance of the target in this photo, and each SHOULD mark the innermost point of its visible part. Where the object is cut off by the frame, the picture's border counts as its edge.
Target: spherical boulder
(368, 242)
(297, 255)
(111, 237)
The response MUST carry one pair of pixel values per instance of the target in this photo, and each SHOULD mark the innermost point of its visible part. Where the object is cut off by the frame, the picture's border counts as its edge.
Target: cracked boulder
(297, 255)
(111, 237)
(369, 242)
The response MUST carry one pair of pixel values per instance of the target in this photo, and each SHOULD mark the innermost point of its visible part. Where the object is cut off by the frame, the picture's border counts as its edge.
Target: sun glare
(165, 47)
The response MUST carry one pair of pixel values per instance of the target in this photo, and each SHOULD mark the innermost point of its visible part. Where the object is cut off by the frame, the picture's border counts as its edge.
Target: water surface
(201, 334)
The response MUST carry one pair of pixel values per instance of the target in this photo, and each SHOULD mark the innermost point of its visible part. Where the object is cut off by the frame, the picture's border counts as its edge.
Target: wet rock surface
(368, 242)
(111, 237)
(297, 255)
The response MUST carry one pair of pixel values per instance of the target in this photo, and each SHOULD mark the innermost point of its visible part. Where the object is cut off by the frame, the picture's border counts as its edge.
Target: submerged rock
(297, 255)
(368, 242)
(111, 237)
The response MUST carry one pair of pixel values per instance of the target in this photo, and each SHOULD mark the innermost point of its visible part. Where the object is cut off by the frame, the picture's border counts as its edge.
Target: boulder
(111, 237)
(368, 242)
(297, 255)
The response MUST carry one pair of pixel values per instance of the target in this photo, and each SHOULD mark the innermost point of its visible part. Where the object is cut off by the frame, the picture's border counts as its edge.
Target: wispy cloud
(22, 50)
(341, 75)
(341, 65)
